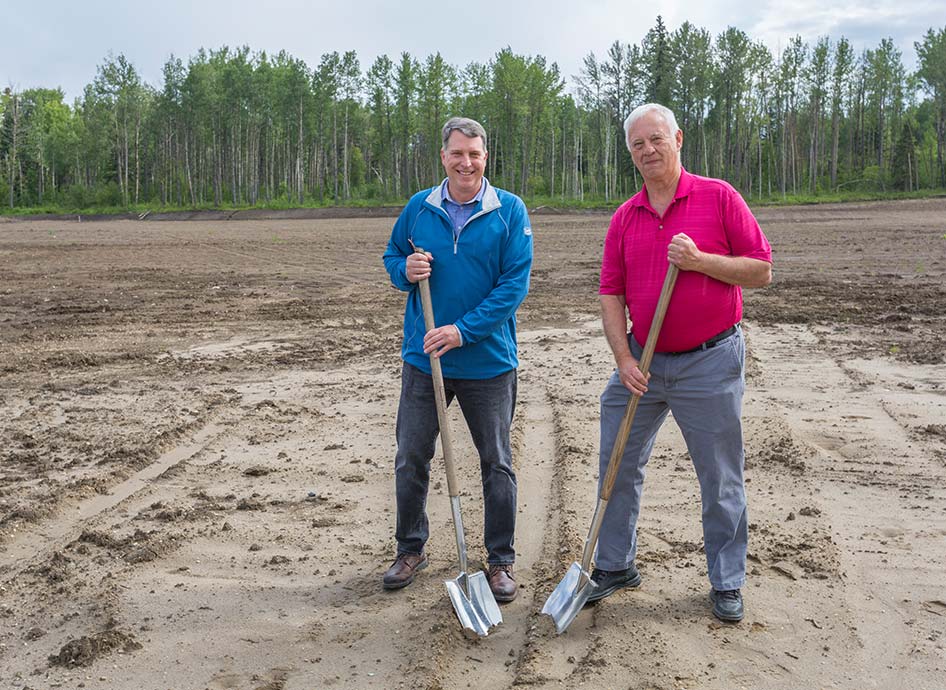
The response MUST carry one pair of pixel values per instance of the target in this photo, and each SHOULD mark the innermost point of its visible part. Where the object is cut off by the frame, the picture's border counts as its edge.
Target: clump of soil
(29, 514)
(85, 650)
(780, 452)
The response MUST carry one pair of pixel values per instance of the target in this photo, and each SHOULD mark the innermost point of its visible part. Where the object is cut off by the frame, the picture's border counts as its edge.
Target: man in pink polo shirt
(704, 227)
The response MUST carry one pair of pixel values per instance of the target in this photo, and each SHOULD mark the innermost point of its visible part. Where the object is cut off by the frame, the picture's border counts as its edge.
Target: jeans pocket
(737, 350)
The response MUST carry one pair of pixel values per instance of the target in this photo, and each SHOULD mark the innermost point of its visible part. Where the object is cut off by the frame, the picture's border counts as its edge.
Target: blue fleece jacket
(477, 280)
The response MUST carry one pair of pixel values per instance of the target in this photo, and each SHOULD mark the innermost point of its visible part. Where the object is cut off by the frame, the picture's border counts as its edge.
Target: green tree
(787, 97)
(434, 93)
(592, 155)
(840, 74)
(349, 76)
(884, 99)
(903, 166)
(405, 89)
(10, 142)
(931, 54)
(732, 49)
(119, 89)
(657, 51)
(693, 85)
(380, 85)
(816, 75)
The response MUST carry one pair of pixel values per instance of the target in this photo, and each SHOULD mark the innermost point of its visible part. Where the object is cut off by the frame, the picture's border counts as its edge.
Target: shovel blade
(474, 603)
(569, 597)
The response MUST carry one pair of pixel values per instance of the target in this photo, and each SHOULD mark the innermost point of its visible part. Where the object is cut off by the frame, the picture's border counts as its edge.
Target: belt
(712, 342)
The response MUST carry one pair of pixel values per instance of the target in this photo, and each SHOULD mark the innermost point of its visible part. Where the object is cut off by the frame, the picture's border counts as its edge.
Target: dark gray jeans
(488, 406)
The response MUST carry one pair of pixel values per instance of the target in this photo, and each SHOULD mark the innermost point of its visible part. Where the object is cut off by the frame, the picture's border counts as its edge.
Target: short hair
(642, 110)
(466, 127)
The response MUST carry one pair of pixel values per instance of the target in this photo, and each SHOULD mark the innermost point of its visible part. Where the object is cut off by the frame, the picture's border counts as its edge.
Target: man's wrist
(624, 359)
(459, 334)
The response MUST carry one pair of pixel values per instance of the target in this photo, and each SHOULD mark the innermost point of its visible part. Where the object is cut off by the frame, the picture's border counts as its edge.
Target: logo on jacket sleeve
(527, 231)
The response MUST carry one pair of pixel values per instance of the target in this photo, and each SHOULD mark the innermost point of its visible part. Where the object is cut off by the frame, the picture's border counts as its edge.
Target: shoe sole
(402, 585)
(726, 618)
(598, 595)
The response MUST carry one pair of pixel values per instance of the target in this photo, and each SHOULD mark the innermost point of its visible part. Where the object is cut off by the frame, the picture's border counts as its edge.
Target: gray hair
(466, 127)
(642, 110)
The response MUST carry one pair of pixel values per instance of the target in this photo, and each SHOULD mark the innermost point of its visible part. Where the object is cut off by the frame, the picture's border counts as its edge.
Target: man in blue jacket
(477, 253)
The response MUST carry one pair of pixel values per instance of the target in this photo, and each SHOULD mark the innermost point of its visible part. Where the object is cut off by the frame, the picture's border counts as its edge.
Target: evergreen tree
(931, 52)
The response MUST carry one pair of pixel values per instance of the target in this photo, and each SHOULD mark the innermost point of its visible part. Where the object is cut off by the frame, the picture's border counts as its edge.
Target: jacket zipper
(456, 235)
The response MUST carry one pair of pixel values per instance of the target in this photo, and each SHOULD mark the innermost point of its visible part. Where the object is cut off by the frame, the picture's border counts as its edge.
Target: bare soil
(196, 475)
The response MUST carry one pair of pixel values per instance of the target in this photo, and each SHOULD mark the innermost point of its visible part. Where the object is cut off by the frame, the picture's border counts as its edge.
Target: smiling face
(464, 160)
(655, 152)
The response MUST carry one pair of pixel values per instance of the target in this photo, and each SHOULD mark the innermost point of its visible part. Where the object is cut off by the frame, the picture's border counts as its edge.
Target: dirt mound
(88, 648)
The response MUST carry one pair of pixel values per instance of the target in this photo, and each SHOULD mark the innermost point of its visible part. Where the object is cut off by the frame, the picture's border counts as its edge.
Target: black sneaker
(610, 581)
(727, 605)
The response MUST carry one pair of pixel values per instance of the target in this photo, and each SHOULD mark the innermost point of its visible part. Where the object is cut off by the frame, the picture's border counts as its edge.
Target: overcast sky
(52, 43)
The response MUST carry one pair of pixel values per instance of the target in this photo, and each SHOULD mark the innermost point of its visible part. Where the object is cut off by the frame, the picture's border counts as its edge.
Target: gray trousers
(488, 406)
(704, 391)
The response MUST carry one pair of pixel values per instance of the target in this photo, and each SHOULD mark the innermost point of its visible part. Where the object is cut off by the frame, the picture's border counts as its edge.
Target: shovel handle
(446, 440)
(624, 431)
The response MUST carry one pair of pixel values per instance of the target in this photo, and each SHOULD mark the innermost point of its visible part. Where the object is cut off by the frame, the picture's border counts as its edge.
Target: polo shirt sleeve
(745, 237)
(613, 272)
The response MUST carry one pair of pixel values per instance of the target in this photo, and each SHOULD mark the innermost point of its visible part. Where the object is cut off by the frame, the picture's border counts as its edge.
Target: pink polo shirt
(717, 219)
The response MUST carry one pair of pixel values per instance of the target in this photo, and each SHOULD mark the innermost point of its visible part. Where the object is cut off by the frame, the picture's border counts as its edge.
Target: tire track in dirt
(29, 545)
(546, 657)
(295, 578)
(550, 467)
(142, 487)
(496, 660)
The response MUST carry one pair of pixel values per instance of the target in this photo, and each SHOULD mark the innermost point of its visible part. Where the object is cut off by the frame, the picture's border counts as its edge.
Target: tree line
(234, 127)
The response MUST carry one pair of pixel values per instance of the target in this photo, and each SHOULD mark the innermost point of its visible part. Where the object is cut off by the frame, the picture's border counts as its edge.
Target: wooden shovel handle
(446, 439)
(624, 431)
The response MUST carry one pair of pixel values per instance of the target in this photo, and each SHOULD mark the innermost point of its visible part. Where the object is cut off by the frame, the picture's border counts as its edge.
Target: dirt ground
(196, 474)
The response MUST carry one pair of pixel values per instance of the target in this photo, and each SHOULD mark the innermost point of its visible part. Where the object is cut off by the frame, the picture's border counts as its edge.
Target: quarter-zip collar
(488, 201)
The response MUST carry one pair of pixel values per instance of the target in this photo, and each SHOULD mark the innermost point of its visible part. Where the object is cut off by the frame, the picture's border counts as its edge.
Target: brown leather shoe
(401, 572)
(502, 583)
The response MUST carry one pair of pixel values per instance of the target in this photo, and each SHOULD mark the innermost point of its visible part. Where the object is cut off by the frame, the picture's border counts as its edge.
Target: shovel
(472, 598)
(572, 593)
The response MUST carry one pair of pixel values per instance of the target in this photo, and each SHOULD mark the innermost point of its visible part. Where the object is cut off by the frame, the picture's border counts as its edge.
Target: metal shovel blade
(474, 603)
(569, 597)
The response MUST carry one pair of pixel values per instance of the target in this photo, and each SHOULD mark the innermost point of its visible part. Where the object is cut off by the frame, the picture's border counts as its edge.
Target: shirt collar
(445, 193)
(684, 185)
